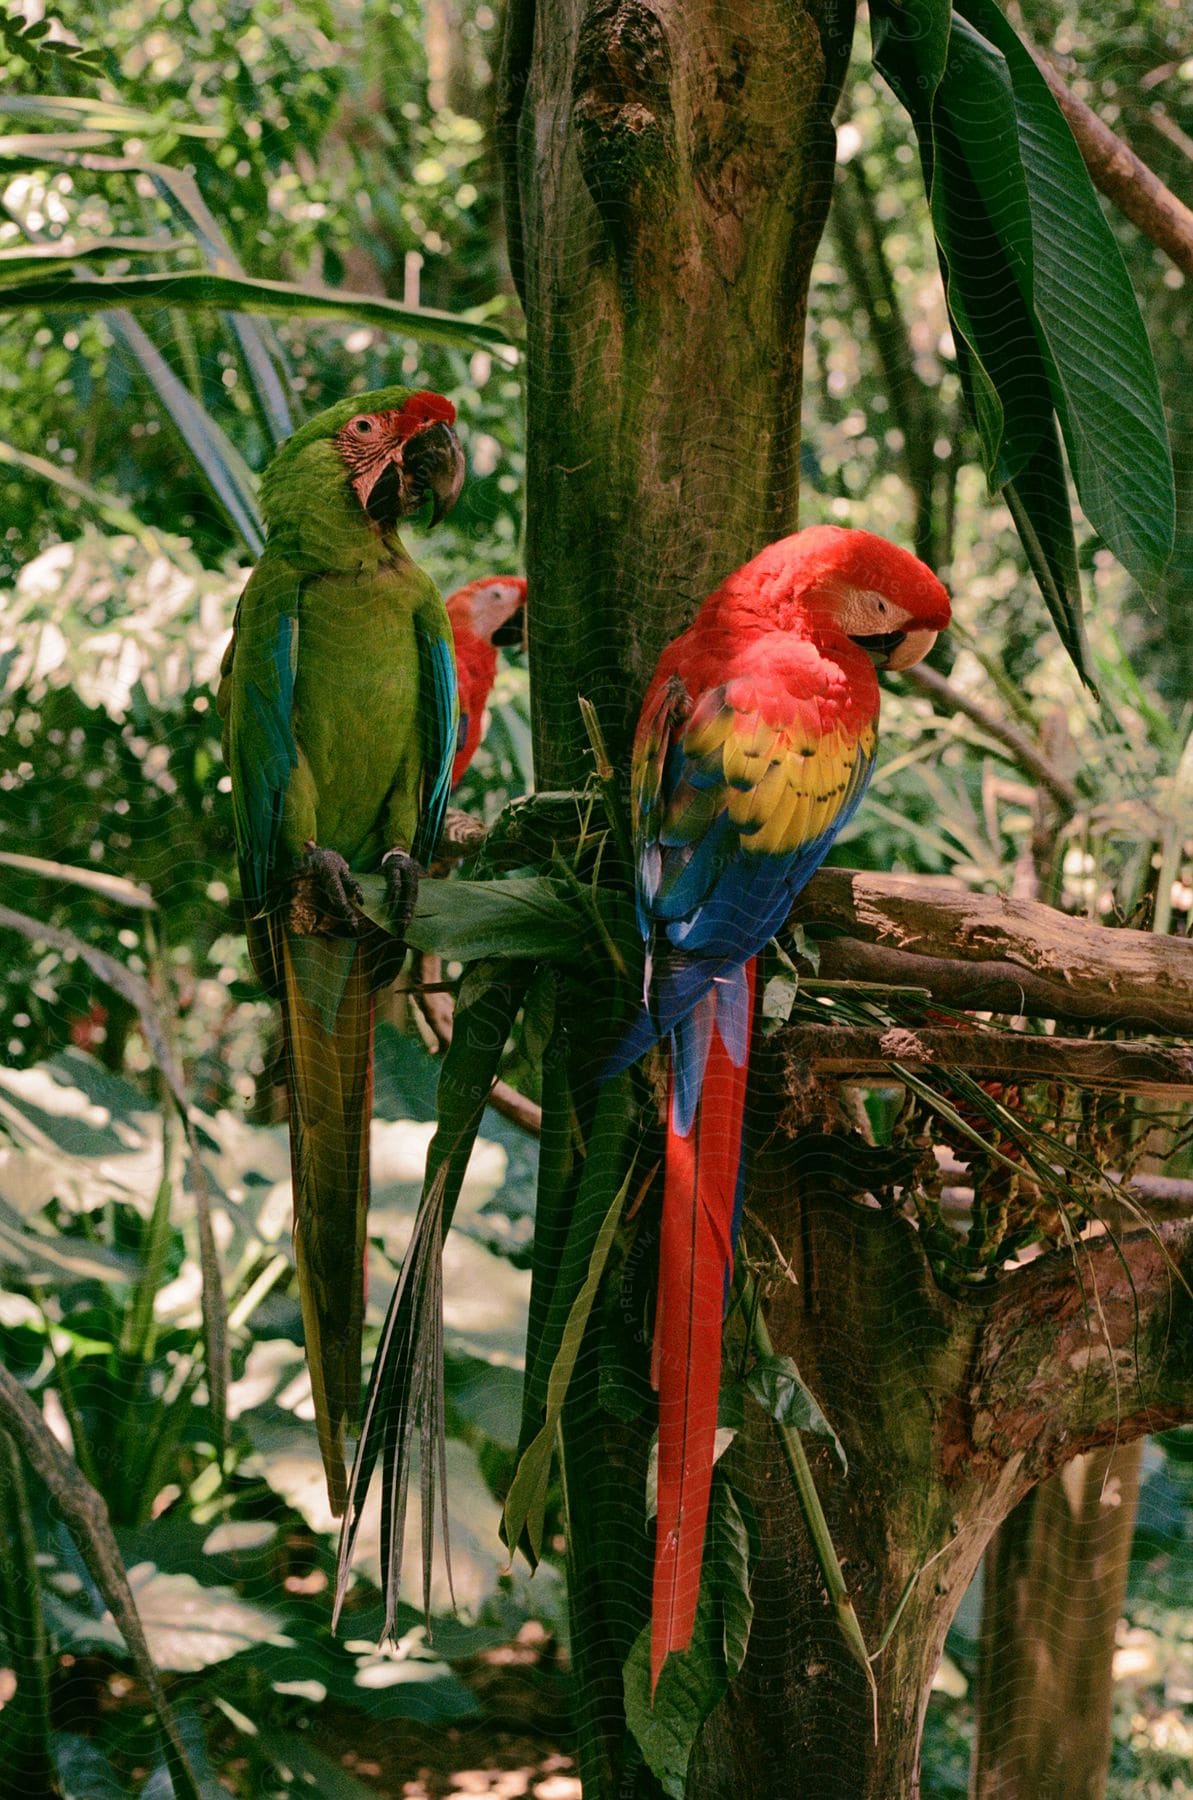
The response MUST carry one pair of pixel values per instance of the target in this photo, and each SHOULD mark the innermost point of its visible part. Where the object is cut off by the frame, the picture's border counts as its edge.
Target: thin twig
(435, 1006)
(1123, 176)
(1022, 750)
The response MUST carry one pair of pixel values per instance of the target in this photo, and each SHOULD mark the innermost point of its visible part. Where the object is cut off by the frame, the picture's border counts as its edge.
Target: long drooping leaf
(406, 1386)
(1103, 375)
(568, 1263)
(1047, 329)
(244, 293)
(105, 506)
(45, 258)
(106, 116)
(219, 462)
(526, 1502)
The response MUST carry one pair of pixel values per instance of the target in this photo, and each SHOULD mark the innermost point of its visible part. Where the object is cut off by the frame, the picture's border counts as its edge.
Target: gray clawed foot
(401, 888)
(338, 891)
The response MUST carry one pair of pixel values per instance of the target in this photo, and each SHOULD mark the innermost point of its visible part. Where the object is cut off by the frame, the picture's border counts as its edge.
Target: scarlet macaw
(338, 696)
(486, 615)
(755, 743)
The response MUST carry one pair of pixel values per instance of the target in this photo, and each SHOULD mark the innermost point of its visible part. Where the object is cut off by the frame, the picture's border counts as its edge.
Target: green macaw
(338, 701)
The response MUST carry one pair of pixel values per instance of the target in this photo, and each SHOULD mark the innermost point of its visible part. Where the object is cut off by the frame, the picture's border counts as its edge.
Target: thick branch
(983, 950)
(1001, 987)
(1138, 193)
(1064, 1366)
(851, 1052)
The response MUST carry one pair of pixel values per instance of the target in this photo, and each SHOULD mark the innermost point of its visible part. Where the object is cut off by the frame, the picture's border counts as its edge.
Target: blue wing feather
(713, 900)
(440, 724)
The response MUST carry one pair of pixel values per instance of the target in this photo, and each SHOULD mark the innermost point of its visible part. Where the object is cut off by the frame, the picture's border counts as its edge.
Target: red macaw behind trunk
(755, 743)
(485, 615)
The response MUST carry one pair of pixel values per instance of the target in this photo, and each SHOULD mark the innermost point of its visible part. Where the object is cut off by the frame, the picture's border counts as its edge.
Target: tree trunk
(1056, 1572)
(668, 167)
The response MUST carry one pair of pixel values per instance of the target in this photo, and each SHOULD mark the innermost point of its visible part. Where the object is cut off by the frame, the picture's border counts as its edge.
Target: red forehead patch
(425, 408)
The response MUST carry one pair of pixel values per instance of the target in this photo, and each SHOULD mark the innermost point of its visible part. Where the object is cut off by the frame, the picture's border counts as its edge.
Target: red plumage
(481, 612)
(753, 750)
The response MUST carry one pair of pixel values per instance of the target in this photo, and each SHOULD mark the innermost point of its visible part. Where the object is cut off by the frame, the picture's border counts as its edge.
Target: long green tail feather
(326, 990)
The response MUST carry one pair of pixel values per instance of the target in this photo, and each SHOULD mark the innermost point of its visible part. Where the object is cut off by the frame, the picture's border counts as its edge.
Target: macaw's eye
(362, 426)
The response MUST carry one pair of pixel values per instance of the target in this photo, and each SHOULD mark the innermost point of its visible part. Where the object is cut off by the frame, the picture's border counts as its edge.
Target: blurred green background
(348, 146)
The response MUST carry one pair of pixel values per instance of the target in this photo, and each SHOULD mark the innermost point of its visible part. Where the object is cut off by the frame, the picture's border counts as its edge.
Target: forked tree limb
(85, 1513)
(1065, 1365)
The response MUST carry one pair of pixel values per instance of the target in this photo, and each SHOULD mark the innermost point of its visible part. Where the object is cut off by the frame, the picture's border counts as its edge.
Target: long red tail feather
(695, 1255)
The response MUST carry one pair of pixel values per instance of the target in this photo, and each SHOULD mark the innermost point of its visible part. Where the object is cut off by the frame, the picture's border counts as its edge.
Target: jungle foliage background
(344, 146)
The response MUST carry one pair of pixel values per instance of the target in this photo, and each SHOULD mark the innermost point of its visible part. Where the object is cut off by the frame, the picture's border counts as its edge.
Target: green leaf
(524, 916)
(730, 1546)
(690, 1685)
(207, 292)
(526, 1502)
(317, 1773)
(777, 1385)
(219, 462)
(83, 1771)
(191, 1627)
(1047, 328)
(1103, 375)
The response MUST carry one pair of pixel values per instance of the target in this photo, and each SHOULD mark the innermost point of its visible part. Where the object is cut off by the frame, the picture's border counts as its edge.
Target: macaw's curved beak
(511, 633)
(891, 650)
(432, 464)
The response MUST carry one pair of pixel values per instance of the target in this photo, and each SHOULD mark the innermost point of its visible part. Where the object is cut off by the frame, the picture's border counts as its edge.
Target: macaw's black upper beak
(433, 463)
(511, 633)
(881, 646)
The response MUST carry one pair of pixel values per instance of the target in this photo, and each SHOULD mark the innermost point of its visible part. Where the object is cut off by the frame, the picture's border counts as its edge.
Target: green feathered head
(385, 453)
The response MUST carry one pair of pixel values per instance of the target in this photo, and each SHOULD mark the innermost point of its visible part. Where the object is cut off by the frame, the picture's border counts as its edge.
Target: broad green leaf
(189, 1627)
(317, 1773)
(777, 1385)
(30, 1255)
(244, 293)
(729, 1558)
(1103, 375)
(690, 1685)
(524, 916)
(83, 1771)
